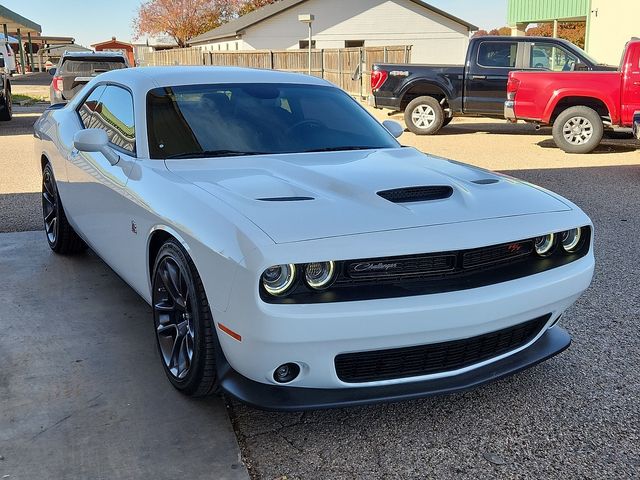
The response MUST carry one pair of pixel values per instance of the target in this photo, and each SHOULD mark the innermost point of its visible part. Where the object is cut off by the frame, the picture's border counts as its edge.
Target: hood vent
(486, 181)
(417, 194)
(285, 199)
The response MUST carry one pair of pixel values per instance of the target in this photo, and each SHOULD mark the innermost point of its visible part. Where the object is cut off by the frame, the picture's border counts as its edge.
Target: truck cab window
(497, 54)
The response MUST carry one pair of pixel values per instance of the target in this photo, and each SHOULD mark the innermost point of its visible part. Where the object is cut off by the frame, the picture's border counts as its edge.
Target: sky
(93, 21)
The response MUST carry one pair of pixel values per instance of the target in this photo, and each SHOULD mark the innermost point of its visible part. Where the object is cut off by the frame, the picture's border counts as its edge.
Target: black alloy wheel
(183, 322)
(49, 206)
(61, 236)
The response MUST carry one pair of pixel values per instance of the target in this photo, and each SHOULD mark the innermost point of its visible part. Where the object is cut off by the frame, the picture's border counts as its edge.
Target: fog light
(544, 245)
(571, 240)
(286, 373)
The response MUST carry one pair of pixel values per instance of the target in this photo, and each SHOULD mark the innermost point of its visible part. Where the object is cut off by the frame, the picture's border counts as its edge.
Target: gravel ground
(575, 416)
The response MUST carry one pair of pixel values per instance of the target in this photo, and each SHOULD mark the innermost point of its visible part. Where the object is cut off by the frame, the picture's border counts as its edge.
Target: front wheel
(424, 116)
(61, 236)
(578, 130)
(183, 322)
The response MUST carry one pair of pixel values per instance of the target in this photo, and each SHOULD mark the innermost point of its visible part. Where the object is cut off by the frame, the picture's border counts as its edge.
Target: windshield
(243, 119)
(90, 66)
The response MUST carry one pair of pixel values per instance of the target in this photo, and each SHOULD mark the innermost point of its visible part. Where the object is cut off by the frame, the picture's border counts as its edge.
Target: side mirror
(95, 140)
(52, 71)
(394, 127)
(580, 67)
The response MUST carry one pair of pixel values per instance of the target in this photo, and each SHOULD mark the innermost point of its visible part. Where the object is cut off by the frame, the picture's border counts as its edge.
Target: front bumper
(509, 111)
(286, 398)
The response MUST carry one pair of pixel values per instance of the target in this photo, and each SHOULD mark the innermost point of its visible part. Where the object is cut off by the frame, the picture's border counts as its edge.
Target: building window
(304, 44)
(236, 45)
(353, 43)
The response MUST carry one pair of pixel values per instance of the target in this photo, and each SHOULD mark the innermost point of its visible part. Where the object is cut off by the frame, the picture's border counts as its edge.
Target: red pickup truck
(579, 105)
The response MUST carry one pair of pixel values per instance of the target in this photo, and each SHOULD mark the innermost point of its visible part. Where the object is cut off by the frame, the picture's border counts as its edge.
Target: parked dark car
(76, 69)
(5, 92)
(431, 95)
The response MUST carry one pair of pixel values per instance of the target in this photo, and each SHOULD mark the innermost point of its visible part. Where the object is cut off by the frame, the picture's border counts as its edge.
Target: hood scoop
(285, 199)
(417, 194)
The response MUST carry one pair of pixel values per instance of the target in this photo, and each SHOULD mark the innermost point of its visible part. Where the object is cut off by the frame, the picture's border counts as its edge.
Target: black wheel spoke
(173, 318)
(49, 206)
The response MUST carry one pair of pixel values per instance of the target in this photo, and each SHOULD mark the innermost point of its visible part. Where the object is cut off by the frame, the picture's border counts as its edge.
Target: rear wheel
(7, 109)
(578, 130)
(61, 236)
(424, 116)
(183, 322)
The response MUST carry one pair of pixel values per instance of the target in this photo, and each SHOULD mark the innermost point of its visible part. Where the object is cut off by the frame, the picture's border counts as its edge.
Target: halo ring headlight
(319, 275)
(571, 239)
(278, 279)
(544, 244)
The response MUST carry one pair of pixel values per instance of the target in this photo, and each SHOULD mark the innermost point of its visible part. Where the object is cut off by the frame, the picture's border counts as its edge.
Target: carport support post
(555, 28)
(21, 47)
(30, 51)
(6, 35)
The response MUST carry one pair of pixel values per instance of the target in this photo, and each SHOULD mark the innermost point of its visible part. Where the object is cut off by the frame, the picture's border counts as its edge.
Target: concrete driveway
(83, 394)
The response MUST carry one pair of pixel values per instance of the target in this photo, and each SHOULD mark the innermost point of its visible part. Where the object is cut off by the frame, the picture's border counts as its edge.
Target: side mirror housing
(95, 140)
(394, 127)
(52, 71)
(580, 67)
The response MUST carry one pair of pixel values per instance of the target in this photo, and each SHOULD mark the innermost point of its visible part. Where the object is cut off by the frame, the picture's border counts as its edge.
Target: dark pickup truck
(5, 92)
(431, 95)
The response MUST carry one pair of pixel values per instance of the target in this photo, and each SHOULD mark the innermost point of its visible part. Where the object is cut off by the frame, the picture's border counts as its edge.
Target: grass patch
(22, 99)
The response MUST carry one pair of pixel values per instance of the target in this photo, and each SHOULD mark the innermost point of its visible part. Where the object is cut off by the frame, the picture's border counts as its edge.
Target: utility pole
(308, 19)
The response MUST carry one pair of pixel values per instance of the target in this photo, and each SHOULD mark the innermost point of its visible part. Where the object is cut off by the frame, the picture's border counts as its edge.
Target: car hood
(296, 197)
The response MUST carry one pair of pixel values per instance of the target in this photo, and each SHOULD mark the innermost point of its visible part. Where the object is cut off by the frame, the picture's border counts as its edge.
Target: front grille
(496, 254)
(417, 194)
(436, 357)
(400, 267)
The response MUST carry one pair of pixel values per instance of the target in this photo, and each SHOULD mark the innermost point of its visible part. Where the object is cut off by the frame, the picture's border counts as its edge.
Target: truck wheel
(578, 130)
(6, 112)
(424, 116)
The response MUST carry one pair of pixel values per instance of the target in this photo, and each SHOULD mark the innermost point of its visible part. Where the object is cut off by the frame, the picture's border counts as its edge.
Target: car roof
(93, 54)
(154, 77)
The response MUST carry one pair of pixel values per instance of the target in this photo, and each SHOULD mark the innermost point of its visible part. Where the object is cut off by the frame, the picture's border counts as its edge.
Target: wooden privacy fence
(349, 68)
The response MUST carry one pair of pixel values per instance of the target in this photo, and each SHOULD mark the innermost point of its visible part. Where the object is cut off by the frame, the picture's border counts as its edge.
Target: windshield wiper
(346, 147)
(212, 153)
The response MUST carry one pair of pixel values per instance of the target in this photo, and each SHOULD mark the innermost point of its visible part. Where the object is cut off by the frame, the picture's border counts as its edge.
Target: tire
(578, 130)
(7, 109)
(185, 332)
(61, 236)
(424, 116)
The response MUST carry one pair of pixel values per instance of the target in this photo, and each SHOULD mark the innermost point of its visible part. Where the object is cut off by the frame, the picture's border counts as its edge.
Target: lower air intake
(435, 357)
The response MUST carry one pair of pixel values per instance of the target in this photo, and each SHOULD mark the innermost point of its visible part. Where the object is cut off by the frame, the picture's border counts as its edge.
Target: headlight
(571, 239)
(279, 278)
(319, 275)
(544, 245)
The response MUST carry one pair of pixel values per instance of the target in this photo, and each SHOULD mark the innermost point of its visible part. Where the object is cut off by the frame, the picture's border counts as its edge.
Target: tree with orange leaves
(185, 19)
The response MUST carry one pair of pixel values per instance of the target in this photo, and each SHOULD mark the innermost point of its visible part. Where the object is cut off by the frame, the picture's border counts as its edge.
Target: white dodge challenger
(295, 255)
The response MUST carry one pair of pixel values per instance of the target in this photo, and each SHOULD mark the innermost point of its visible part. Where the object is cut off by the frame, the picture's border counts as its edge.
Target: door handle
(478, 77)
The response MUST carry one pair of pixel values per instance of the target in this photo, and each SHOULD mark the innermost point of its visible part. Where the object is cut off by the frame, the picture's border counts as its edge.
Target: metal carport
(15, 24)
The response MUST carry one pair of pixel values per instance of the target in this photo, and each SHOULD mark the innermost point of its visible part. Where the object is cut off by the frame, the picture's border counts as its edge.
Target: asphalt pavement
(575, 416)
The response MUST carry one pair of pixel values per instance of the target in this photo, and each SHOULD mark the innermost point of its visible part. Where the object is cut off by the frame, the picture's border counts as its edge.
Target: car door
(98, 199)
(486, 77)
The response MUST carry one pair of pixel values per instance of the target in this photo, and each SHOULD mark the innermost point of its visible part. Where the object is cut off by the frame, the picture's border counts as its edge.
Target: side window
(114, 114)
(89, 106)
(547, 56)
(497, 54)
